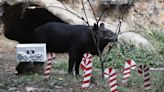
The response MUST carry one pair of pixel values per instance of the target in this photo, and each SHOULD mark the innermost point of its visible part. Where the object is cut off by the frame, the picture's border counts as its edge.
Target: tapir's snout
(112, 37)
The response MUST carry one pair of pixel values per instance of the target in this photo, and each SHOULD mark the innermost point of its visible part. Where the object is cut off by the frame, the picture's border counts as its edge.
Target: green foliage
(59, 66)
(159, 37)
(157, 40)
(17, 81)
(121, 52)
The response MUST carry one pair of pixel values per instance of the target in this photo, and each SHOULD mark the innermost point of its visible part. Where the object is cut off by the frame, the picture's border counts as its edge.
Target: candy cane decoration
(50, 56)
(140, 69)
(86, 65)
(132, 64)
(147, 85)
(129, 64)
(112, 82)
(144, 69)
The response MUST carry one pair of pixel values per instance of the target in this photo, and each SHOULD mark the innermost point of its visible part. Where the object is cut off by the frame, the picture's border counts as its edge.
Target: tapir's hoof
(70, 73)
(79, 77)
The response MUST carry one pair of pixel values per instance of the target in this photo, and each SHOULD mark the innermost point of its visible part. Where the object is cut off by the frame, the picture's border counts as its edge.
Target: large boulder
(135, 39)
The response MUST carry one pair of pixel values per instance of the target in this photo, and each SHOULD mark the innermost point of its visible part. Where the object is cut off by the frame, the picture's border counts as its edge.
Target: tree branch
(85, 12)
(66, 9)
(94, 14)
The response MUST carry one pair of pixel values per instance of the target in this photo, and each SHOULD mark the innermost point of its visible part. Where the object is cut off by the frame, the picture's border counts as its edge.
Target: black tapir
(74, 39)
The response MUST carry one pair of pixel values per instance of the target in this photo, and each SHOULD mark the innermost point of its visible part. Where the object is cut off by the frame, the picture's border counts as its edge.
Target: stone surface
(136, 39)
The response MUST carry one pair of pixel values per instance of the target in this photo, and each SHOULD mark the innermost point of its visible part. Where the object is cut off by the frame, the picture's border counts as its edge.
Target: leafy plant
(157, 39)
(119, 54)
(59, 66)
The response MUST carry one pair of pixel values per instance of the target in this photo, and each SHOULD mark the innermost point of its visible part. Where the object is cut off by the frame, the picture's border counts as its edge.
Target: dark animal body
(38, 26)
(74, 39)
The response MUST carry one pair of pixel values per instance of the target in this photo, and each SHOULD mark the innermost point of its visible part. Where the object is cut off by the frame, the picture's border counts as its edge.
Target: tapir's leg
(70, 68)
(72, 58)
(78, 61)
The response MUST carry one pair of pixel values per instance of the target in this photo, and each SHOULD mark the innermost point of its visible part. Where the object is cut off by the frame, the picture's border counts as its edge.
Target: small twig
(126, 32)
(96, 42)
(104, 10)
(70, 12)
(118, 30)
(121, 18)
(85, 12)
(111, 44)
(92, 10)
(157, 69)
(74, 13)
(125, 10)
(98, 50)
(102, 14)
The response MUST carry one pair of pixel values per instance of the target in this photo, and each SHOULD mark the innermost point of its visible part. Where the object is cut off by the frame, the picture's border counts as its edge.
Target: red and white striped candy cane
(147, 84)
(129, 64)
(47, 70)
(51, 56)
(140, 69)
(112, 81)
(144, 69)
(87, 58)
(86, 65)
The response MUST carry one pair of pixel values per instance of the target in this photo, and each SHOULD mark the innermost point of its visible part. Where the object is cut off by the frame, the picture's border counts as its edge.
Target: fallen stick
(157, 69)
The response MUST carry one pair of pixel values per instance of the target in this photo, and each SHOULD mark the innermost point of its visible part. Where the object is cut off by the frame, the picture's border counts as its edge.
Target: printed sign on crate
(31, 52)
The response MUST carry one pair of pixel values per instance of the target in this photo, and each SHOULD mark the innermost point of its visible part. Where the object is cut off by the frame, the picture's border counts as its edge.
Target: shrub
(122, 51)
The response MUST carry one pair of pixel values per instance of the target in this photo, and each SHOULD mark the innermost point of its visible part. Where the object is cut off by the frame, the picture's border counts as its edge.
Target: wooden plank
(157, 69)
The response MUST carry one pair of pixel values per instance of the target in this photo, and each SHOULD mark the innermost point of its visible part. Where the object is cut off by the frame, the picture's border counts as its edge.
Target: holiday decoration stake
(129, 64)
(86, 65)
(50, 56)
(144, 69)
(112, 81)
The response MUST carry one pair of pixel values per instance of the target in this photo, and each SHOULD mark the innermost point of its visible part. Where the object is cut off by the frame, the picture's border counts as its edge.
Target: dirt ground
(59, 80)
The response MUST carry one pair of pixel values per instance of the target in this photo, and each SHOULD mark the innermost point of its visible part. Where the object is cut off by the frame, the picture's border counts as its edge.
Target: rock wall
(148, 15)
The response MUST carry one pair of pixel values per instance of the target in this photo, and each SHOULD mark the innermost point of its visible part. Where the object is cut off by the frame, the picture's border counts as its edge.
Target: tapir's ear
(102, 25)
(95, 27)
